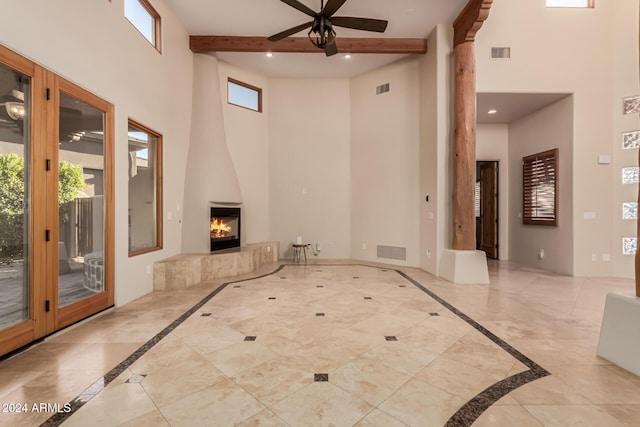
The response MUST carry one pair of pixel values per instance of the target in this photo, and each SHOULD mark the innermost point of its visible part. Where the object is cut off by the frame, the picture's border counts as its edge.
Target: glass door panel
(15, 103)
(81, 202)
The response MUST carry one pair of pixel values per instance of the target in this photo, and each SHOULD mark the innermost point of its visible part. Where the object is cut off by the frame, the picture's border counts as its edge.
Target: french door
(56, 202)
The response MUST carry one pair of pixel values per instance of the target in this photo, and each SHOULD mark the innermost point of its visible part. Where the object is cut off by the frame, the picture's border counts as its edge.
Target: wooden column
(464, 149)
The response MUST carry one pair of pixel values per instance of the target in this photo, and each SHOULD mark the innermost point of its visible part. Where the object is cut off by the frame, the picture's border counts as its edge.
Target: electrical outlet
(541, 254)
(268, 249)
(428, 253)
(148, 268)
(364, 246)
(594, 257)
(606, 257)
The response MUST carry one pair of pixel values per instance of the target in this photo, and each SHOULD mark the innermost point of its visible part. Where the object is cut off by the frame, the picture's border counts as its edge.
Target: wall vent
(392, 252)
(382, 88)
(500, 52)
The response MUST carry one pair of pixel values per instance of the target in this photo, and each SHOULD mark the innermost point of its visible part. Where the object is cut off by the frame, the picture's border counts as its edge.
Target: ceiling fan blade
(332, 7)
(366, 24)
(290, 31)
(301, 7)
(331, 48)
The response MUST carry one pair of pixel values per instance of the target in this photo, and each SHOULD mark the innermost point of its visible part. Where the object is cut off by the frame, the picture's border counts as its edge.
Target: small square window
(630, 210)
(145, 18)
(631, 105)
(244, 95)
(630, 175)
(631, 140)
(629, 245)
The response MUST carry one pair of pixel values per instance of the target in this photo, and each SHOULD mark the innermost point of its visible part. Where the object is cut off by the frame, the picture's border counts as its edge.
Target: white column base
(464, 267)
(620, 336)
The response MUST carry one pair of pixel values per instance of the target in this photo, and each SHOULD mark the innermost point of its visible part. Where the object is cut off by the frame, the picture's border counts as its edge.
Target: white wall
(309, 157)
(85, 42)
(624, 57)
(247, 136)
(544, 59)
(543, 130)
(492, 144)
(384, 161)
(435, 148)
(210, 175)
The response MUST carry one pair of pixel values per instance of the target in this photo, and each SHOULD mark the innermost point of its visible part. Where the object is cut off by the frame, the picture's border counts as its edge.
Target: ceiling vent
(382, 88)
(500, 52)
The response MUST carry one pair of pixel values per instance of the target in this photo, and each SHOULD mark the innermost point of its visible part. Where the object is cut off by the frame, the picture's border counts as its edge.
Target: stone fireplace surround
(186, 270)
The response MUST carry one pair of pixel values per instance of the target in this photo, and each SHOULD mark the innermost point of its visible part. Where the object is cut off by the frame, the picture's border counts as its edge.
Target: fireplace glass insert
(224, 228)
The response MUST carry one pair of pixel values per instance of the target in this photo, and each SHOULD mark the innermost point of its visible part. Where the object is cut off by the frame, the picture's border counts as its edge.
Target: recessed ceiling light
(347, 56)
(269, 54)
(492, 111)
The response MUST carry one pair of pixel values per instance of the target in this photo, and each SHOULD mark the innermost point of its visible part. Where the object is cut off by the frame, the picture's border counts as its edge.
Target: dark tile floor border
(84, 397)
(465, 416)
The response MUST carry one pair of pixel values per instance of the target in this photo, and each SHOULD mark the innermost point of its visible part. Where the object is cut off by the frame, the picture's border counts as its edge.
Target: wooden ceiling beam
(470, 20)
(199, 44)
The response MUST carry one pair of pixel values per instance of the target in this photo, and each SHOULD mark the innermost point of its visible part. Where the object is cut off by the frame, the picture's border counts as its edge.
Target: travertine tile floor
(335, 345)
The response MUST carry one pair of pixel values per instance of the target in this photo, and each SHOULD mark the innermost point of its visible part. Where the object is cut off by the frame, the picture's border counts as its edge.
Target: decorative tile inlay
(320, 377)
(629, 210)
(402, 286)
(236, 286)
(629, 245)
(434, 314)
(319, 286)
(318, 271)
(630, 175)
(465, 416)
(319, 314)
(631, 140)
(391, 338)
(631, 105)
(137, 378)
(205, 315)
(283, 277)
(384, 270)
(271, 298)
(356, 277)
(250, 338)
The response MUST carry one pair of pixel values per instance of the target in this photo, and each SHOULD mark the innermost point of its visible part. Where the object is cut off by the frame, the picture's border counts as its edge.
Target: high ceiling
(407, 19)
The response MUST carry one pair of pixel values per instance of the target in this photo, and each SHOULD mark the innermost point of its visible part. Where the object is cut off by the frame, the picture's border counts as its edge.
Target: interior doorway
(487, 199)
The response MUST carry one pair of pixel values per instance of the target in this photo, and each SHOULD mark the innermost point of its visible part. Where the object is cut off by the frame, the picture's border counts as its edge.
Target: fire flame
(219, 228)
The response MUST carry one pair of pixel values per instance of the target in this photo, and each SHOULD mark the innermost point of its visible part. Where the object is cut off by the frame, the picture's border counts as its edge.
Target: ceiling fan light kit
(322, 34)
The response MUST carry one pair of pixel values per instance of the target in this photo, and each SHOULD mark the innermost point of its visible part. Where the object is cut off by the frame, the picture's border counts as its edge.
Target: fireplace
(224, 228)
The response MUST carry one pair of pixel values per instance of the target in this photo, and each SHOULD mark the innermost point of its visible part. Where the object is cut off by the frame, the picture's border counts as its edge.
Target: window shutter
(540, 188)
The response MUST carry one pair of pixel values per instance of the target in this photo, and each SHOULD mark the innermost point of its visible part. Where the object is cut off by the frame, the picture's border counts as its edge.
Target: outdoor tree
(12, 199)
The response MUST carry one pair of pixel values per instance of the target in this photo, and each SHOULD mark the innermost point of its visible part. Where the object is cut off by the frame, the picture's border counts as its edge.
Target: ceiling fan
(322, 33)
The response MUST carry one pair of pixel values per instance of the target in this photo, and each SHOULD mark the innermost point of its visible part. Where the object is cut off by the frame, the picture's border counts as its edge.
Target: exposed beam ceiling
(201, 44)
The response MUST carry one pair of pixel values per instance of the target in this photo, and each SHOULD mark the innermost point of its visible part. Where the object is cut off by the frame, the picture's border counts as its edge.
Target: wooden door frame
(497, 210)
(42, 255)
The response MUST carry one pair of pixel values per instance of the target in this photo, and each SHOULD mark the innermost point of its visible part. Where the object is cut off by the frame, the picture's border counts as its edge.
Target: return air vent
(500, 52)
(382, 88)
(392, 252)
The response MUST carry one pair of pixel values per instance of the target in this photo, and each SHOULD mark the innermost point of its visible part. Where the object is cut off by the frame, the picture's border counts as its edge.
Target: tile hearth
(418, 355)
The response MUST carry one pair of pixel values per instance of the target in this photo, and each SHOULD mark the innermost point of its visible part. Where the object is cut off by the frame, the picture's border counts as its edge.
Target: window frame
(247, 86)
(590, 5)
(158, 187)
(157, 24)
(528, 218)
